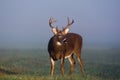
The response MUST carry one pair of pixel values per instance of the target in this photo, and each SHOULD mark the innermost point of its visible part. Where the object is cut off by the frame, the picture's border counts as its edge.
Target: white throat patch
(58, 43)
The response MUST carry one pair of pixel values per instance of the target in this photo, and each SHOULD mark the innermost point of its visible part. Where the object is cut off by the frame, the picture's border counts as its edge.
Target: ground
(34, 64)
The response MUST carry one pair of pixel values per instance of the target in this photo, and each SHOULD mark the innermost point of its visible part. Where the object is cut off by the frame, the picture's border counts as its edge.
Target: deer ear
(54, 30)
(66, 30)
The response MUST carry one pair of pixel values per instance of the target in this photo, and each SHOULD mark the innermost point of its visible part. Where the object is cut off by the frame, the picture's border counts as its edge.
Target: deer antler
(54, 29)
(51, 21)
(69, 23)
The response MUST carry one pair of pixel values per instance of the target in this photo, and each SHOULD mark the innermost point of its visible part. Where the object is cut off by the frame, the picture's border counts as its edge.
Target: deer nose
(59, 36)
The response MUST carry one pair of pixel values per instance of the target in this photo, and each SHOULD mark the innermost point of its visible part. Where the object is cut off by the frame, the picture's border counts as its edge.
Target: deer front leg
(62, 66)
(52, 66)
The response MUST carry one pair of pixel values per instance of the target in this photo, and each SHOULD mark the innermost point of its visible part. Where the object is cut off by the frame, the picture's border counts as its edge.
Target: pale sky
(24, 23)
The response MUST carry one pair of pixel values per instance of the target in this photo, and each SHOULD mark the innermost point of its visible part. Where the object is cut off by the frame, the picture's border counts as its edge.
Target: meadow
(34, 64)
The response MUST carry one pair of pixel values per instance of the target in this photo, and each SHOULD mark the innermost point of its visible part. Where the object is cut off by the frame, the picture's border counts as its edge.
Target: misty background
(24, 23)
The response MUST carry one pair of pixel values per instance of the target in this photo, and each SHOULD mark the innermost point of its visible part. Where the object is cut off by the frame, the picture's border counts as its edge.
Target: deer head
(59, 34)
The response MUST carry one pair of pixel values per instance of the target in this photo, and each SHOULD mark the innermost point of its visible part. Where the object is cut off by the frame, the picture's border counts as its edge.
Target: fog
(24, 23)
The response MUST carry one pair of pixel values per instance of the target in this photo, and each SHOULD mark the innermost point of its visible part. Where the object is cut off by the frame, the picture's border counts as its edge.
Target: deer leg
(62, 66)
(78, 55)
(52, 66)
(72, 62)
(81, 65)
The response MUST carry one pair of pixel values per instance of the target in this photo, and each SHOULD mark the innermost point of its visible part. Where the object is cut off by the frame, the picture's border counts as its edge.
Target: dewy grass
(35, 65)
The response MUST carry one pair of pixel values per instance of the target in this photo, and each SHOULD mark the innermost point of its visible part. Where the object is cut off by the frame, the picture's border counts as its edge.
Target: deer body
(64, 45)
(68, 44)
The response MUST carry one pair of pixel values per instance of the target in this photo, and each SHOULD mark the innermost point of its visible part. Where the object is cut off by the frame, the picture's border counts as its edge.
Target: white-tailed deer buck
(64, 45)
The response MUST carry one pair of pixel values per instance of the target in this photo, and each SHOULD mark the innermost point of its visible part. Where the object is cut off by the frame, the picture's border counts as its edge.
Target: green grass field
(100, 64)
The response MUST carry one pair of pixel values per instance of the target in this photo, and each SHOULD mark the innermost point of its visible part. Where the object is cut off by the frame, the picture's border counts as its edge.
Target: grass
(100, 64)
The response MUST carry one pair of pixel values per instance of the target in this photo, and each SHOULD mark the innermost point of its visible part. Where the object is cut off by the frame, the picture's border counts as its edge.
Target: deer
(64, 45)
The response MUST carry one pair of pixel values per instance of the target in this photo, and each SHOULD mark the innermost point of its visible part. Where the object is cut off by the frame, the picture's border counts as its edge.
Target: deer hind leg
(72, 62)
(52, 66)
(81, 65)
(80, 62)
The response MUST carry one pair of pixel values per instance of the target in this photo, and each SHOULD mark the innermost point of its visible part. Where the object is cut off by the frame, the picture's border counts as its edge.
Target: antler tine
(51, 21)
(69, 23)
